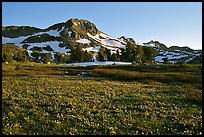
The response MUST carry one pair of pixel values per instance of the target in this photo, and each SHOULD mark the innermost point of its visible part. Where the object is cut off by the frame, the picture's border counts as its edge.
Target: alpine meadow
(73, 79)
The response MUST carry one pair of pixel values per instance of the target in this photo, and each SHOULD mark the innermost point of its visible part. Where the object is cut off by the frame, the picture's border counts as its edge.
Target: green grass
(101, 104)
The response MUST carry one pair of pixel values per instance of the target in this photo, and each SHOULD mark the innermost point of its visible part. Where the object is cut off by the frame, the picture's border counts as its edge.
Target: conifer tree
(101, 54)
(130, 52)
(21, 56)
(114, 57)
(149, 54)
(139, 54)
(87, 56)
(58, 57)
(47, 58)
(166, 60)
(77, 54)
(108, 53)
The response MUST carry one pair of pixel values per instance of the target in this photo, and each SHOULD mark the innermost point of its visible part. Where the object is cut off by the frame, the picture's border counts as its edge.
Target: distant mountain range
(62, 37)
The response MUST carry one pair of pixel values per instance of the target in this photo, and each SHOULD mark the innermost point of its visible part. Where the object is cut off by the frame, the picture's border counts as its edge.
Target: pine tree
(25, 46)
(108, 54)
(118, 55)
(101, 54)
(114, 57)
(47, 58)
(87, 57)
(139, 54)
(58, 57)
(21, 56)
(66, 59)
(166, 60)
(77, 54)
(123, 55)
(130, 52)
(149, 54)
(144, 59)
(37, 56)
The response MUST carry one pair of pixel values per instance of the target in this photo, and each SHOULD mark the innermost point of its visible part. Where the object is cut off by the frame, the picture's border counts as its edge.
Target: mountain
(63, 37)
(175, 54)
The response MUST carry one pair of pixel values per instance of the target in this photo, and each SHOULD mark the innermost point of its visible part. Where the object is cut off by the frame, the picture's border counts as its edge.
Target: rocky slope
(63, 37)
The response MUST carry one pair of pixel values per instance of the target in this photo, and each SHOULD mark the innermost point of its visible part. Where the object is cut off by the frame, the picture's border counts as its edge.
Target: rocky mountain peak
(65, 36)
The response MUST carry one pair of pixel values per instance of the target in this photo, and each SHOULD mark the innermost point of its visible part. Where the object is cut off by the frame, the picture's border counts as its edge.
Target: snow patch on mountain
(83, 41)
(54, 33)
(112, 43)
(106, 41)
(70, 33)
(176, 55)
(148, 45)
(75, 23)
(158, 59)
(190, 59)
(16, 41)
(93, 49)
(53, 44)
(105, 36)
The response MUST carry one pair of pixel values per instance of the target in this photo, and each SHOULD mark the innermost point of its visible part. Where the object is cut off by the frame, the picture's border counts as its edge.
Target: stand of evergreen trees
(133, 53)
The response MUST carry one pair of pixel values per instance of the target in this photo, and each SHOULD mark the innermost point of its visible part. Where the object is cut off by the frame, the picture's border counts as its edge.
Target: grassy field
(39, 99)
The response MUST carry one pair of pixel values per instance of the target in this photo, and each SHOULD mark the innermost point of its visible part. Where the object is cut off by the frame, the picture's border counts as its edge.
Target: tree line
(132, 53)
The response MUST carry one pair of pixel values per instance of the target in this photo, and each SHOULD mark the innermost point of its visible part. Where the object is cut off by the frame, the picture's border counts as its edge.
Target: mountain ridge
(62, 37)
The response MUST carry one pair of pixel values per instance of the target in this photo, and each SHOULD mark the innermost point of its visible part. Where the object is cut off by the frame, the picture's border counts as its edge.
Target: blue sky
(171, 23)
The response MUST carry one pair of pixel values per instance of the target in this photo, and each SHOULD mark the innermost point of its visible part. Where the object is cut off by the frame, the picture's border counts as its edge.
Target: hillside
(65, 36)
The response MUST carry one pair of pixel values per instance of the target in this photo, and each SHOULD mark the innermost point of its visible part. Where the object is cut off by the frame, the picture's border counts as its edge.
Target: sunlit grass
(67, 105)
